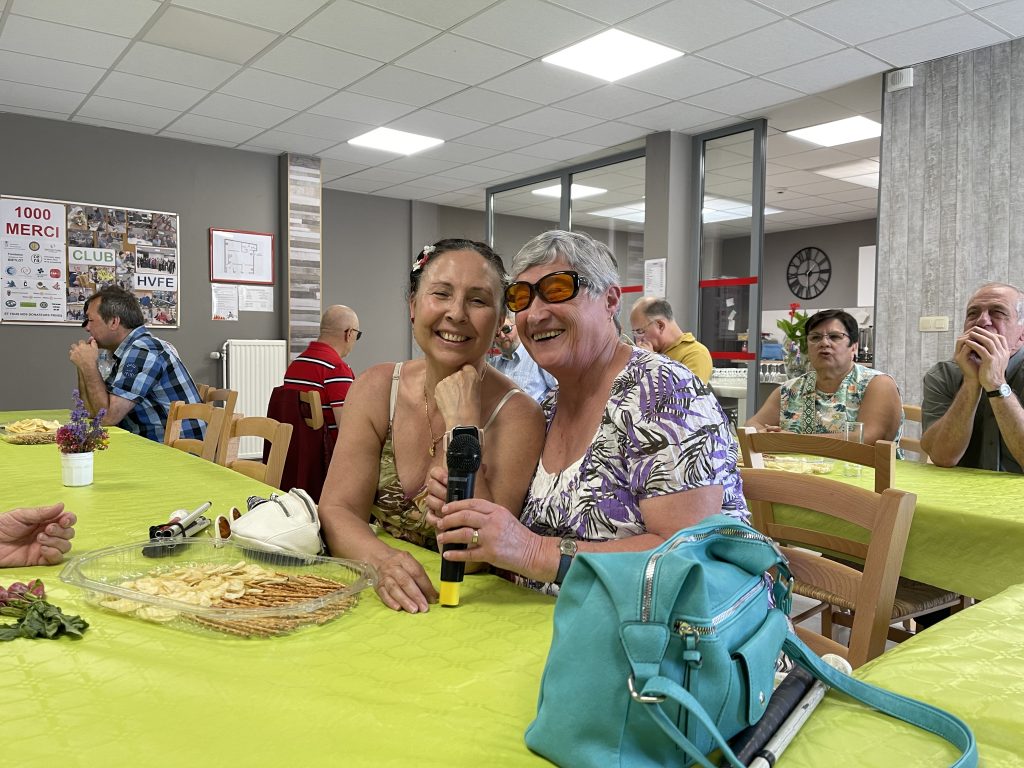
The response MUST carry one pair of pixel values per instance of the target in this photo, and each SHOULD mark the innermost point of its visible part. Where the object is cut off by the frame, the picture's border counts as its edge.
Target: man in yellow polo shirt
(654, 328)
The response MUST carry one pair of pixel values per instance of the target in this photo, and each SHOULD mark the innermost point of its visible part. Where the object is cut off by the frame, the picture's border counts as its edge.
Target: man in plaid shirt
(147, 375)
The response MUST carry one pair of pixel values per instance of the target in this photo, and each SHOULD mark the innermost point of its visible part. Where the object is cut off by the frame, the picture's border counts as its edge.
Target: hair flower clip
(423, 257)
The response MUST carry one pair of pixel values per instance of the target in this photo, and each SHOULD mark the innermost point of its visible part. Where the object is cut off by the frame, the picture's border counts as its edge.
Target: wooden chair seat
(279, 436)
(212, 416)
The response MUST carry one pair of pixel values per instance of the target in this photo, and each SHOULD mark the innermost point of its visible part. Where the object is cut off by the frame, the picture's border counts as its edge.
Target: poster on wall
(81, 248)
(237, 256)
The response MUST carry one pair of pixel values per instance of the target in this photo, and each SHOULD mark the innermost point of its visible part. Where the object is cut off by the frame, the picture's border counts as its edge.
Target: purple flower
(83, 433)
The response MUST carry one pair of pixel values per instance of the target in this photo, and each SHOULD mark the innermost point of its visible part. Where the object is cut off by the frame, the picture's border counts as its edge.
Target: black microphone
(463, 462)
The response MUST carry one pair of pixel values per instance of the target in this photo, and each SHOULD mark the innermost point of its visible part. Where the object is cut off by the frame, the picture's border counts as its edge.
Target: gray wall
(206, 186)
(951, 213)
(839, 241)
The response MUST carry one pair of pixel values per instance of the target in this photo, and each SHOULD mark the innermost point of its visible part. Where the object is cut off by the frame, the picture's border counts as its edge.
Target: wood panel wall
(951, 201)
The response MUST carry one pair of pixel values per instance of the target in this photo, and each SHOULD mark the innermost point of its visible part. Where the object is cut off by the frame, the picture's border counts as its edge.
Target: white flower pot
(76, 468)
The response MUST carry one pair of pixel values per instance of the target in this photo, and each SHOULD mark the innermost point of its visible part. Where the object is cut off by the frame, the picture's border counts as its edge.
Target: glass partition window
(522, 213)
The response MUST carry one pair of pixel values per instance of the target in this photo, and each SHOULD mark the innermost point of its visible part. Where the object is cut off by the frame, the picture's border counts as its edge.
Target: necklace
(433, 440)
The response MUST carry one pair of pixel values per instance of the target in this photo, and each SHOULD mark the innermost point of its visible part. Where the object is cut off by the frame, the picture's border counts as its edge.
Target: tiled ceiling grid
(305, 76)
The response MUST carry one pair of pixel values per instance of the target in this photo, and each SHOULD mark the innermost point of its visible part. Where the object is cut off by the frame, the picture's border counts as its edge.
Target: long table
(452, 687)
(971, 664)
(968, 530)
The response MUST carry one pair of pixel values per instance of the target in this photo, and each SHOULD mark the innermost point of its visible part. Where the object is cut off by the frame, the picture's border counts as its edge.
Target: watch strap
(563, 568)
(1001, 391)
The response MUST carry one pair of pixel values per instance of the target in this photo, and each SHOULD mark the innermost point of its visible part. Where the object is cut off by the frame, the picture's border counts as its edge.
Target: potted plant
(794, 348)
(78, 440)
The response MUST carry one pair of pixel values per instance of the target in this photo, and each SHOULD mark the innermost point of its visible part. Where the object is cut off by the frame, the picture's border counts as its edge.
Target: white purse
(283, 523)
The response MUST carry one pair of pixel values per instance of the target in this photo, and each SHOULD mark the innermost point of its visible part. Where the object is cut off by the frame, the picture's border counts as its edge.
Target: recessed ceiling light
(632, 212)
(390, 140)
(578, 191)
(863, 172)
(839, 131)
(613, 55)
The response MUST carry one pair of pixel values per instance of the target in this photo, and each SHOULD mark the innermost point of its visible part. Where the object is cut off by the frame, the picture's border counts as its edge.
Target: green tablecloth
(971, 664)
(968, 529)
(453, 687)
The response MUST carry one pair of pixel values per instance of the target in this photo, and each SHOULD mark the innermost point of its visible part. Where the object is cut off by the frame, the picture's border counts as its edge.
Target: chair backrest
(203, 389)
(881, 456)
(277, 433)
(885, 517)
(212, 415)
(315, 420)
(229, 398)
(913, 444)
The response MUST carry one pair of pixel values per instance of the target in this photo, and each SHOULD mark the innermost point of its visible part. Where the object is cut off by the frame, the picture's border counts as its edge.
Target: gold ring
(475, 541)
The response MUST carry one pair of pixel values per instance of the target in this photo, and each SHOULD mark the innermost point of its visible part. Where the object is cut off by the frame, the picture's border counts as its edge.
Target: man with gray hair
(972, 414)
(655, 328)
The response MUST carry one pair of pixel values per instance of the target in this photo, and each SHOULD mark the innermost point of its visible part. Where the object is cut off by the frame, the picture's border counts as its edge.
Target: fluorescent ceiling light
(612, 55)
(578, 191)
(863, 172)
(391, 140)
(839, 131)
(632, 212)
(723, 209)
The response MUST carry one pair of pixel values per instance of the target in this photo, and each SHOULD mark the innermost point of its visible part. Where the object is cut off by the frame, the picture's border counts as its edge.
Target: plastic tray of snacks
(807, 465)
(30, 431)
(203, 584)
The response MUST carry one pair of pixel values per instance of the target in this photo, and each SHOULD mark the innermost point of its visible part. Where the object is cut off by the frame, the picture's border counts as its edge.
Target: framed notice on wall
(237, 256)
(55, 254)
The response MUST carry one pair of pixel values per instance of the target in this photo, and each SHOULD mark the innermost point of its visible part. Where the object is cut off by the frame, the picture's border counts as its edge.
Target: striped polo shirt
(320, 367)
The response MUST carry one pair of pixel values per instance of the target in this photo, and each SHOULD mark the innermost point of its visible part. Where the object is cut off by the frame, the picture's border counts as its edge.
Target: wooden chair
(913, 598)
(870, 593)
(309, 453)
(203, 389)
(229, 398)
(913, 444)
(278, 434)
(315, 420)
(211, 415)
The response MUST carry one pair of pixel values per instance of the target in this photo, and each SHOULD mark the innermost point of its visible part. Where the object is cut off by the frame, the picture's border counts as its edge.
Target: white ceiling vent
(899, 79)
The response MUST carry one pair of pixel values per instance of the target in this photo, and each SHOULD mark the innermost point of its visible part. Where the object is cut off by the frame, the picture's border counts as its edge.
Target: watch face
(568, 547)
(809, 273)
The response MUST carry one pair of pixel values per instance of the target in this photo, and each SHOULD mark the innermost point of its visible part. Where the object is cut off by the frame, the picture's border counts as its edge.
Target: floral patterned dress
(662, 432)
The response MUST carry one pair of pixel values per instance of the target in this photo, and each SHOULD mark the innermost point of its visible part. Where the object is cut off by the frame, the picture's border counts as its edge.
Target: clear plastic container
(177, 585)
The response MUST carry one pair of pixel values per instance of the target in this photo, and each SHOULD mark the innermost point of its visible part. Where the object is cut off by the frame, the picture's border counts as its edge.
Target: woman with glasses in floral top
(636, 448)
(836, 390)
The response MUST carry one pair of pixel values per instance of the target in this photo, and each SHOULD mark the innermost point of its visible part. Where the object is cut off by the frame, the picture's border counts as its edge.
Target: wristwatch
(568, 548)
(1003, 391)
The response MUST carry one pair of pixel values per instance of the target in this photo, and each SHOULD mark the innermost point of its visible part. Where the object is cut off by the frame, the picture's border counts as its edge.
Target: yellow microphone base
(449, 593)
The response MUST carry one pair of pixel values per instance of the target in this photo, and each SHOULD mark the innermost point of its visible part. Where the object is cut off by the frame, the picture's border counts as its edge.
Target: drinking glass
(852, 431)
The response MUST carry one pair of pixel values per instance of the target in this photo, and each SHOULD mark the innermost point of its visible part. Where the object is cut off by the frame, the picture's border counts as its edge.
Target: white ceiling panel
(457, 152)
(684, 77)
(530, 27)
(474, 174)
(675, 116)
(212, 128)
(361, 155)
(441, 183)
(162, 63)
(935, 40)
(549, 121)
(50, 73)
(110, 16)
(38, 98)
(438, 125)
(197, 139)
(512, 162)
(315, 63)
(689, 25)
(608, 134)
(827, 71)
(562, 150)
(773, 47)
(479, 103)
(857, 21)
(790, 7)
(332, 169)
(368, 32)
(350, 184)
(127, 112)
(437, 14)
(57, 41)
(862, 96)
(1008, 16)
(746, 97)
(322, 127)
(500, 138)
(421, 165)
(386, 175)
(406, 86)
(269, 14)
(460, 59)
(103, 122)
(346, 105)
(290, 142)
(407, 192)
(608, 11)
(275, 89)
(542, 82)
(612, 101)
(246, 111)
(145, 90)
(208, 35)
(810, 110)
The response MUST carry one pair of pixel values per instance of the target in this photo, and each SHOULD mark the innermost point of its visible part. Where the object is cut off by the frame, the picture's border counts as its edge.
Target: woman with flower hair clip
(397, 414)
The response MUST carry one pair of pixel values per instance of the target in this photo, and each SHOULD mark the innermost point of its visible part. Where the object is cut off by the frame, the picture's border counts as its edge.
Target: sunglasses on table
(554, 288)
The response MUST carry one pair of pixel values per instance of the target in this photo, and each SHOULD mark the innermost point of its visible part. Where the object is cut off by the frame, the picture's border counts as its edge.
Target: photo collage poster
(91, 246)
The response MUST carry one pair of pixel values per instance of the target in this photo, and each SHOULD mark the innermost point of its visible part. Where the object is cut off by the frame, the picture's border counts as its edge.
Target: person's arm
(85, 356)
(1010, 417)
(35, 535)
(767, 418)
(881, 410)
(349, 492)
(945, 440)
(994, 355)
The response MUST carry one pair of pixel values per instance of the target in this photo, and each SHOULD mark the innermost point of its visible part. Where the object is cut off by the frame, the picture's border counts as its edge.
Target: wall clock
(808, 273)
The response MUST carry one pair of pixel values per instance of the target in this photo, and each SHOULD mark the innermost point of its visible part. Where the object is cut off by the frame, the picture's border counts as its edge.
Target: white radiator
(253, 367)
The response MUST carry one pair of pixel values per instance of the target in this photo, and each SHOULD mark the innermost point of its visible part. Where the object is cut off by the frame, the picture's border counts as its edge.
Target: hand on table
(403, 585)
(35, 535)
